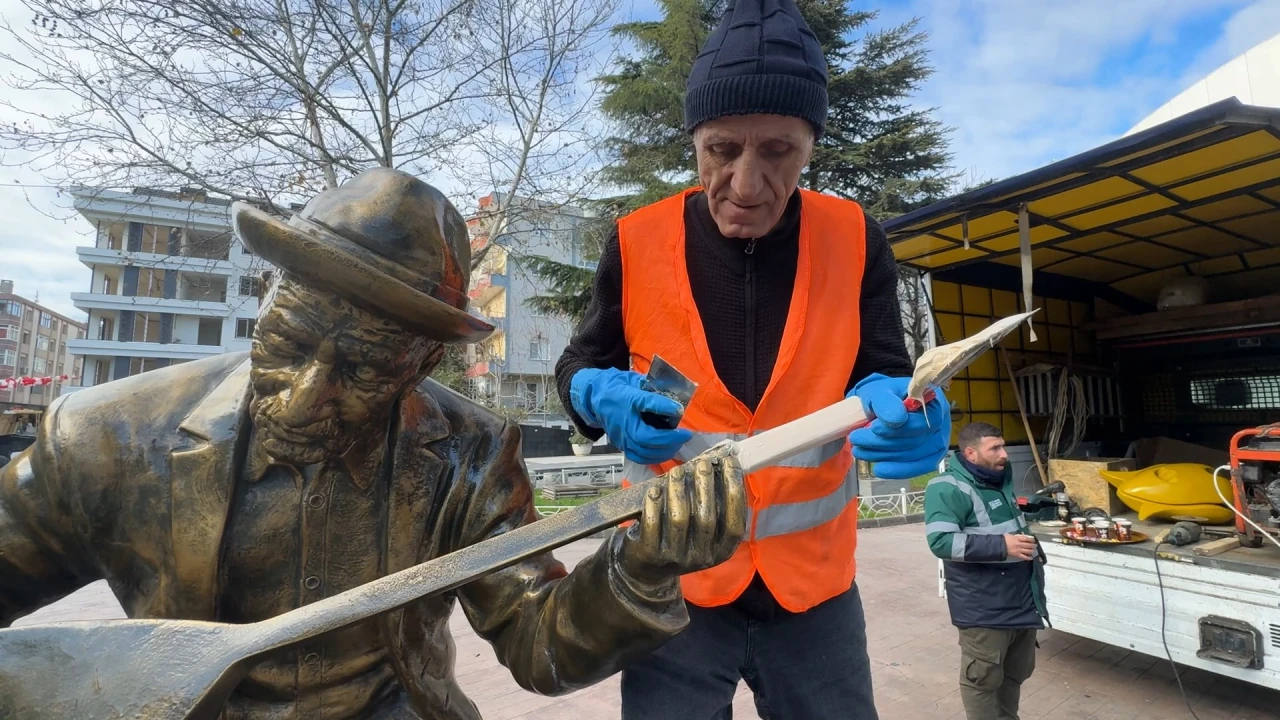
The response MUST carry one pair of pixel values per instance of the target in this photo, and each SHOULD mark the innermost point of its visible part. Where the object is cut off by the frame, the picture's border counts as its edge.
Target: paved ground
(913, 650)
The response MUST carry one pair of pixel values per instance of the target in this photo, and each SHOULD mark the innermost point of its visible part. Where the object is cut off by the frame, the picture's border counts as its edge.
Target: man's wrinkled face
(749, 166)
(989, 453)
(326, 374)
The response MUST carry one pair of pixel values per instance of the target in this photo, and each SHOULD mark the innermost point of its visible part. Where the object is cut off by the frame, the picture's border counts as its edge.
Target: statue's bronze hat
(385, 241)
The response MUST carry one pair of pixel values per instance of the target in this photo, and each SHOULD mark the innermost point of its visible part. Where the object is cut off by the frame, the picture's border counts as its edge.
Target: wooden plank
(1257, 311)
(1084, 483)
(1217, 547)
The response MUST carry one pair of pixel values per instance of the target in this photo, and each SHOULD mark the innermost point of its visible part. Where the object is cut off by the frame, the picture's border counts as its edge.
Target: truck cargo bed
(1112, 594)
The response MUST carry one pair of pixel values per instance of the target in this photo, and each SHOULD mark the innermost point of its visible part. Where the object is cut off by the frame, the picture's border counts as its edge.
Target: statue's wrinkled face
(326, 374)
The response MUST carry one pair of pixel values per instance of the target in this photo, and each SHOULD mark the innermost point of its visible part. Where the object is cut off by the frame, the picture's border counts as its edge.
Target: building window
(244, 327)
(538, 349)
(42, 342)
(250, 286)
(9, 307)
(8, 357)
(46, 320)
(8, 332)
(137, 366)
(39, 366)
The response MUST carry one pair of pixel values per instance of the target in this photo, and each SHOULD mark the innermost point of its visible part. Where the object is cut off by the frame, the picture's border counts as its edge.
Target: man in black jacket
(755, 105)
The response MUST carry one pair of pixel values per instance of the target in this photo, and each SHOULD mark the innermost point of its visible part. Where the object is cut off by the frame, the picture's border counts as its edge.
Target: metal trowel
(669, 382)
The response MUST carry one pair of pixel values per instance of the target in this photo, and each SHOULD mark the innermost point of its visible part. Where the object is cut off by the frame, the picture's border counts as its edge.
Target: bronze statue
(238, 488)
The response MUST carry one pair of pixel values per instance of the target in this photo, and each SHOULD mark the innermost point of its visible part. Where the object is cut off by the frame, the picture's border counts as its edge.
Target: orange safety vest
(804, 513)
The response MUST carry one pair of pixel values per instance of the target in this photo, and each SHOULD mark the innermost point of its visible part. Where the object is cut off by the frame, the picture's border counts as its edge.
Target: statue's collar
(218, 417)
(363, 463)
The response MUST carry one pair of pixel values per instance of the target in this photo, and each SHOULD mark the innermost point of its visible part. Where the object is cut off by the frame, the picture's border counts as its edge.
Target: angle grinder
(1183, 533)
(1050, 495)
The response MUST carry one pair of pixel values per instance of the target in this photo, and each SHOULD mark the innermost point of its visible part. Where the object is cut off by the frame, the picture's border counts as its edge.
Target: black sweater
(743, 299)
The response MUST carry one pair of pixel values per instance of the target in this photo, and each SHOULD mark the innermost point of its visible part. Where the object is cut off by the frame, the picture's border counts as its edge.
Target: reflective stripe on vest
(798, 517)
(984, 526)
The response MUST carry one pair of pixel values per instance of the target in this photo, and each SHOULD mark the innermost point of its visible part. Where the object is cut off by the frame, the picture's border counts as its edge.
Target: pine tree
(877, 149)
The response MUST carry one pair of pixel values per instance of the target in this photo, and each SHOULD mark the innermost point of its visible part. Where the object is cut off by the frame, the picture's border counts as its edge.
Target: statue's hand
(694, 518)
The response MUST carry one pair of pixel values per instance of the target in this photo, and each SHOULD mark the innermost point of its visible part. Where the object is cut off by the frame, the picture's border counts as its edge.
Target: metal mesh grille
(1159, 399)
(1235, 397)
(1236, 391)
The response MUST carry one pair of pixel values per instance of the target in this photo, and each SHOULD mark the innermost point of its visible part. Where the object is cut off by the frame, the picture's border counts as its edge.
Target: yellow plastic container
(1165, 492)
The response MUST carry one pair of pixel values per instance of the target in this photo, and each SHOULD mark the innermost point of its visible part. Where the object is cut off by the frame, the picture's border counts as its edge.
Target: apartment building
(515, 367)
(34, 341)
(170, 282)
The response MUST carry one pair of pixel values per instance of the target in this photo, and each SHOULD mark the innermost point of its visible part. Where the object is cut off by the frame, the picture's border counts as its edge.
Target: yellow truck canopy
(1197, 195)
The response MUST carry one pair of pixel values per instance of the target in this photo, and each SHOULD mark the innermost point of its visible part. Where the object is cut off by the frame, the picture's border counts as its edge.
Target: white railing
(872, 506)
(900, 503)
(607, 475)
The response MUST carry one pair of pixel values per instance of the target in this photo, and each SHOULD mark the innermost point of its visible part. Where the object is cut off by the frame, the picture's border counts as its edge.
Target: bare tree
(915, 310)
(543, 156)
(274, 100)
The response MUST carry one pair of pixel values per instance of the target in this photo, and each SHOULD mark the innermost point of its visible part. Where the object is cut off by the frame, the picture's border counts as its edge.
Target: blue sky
(1020, 82)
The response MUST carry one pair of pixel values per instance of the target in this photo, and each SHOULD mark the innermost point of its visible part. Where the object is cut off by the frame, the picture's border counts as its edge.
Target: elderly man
(777, 302)
(238, 488)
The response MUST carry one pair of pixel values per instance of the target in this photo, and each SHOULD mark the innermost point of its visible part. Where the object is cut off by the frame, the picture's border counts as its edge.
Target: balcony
(486, 287)
(497, 321)
(101, 301)
(114, 348)
(91, 256)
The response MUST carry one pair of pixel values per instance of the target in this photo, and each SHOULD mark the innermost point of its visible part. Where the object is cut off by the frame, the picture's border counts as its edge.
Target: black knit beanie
(762, 58)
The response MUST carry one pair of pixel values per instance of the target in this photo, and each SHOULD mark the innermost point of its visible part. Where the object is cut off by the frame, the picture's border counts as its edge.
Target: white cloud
(1248, 27)
(38, 235)
(39, 230)
(1027, 83)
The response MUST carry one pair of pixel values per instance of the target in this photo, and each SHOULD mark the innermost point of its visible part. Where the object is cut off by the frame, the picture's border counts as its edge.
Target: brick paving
(913, 651)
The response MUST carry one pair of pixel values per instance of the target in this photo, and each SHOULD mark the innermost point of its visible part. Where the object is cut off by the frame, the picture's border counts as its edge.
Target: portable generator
(1255, 481)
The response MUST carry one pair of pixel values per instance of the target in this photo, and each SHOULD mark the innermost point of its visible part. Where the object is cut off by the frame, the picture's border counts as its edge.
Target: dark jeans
(806, 666)
(993, 665)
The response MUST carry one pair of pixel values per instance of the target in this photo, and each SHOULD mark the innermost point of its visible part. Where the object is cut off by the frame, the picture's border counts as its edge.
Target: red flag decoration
(27, 381)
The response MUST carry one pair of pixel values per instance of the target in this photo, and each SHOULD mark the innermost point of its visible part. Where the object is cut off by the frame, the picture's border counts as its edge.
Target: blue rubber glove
(612, 400)
(901, 444)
